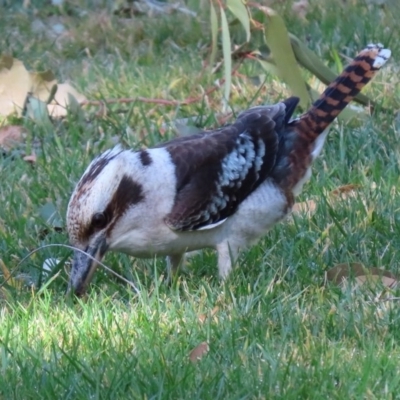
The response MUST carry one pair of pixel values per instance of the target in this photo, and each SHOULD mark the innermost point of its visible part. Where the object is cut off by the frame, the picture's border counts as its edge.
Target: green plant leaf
(50, 214)
(269, 67)
(226, 50)
(239, 10)
(37, 111)
(214, 33)
(277, 38)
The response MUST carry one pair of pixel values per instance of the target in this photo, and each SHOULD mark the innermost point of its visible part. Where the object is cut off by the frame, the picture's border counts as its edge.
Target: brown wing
(217, 170)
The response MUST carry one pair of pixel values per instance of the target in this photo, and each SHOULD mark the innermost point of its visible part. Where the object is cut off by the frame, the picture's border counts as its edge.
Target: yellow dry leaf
(375, 279)
(42, 84)
(305, 208)
(203, 317)
(31, 158)
(346, 191)
(15, 83)
(342, 273)
(62, 99)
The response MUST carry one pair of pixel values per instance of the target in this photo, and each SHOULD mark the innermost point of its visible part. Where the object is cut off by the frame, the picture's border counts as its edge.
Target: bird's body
(154, 237)
(222, 189)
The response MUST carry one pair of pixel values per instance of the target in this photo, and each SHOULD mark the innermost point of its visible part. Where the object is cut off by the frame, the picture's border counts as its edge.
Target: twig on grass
(131, 284)
(173, 103)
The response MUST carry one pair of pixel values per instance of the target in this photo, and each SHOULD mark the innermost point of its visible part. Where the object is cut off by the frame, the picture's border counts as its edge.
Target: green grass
(280, 331)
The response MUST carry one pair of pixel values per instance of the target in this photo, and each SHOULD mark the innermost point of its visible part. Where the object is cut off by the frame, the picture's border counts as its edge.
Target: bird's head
(105, 192)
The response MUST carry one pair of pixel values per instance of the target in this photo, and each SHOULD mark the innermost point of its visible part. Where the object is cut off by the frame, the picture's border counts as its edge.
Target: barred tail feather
(343, 89)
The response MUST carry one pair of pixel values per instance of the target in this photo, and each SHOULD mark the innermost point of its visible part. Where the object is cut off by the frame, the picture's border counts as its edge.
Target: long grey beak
(83, 266)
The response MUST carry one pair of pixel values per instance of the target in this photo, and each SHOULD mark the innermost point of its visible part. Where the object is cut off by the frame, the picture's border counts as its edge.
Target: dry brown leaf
(305, 207)
(199, 352)
(15, 83)
(374, 279)
(346, 191)
(340, 274)
(11, 135)
(32, 158)
(203, 317)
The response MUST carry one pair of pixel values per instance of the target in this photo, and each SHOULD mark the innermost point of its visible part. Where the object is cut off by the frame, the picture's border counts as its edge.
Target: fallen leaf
(305, 207)
(199, 352)
(342, 273)
(203, 317)
(346, 191)
(64, 96)
(32, 158)
(15, 83)
(43, 84)
(11, 135)
(63, 92)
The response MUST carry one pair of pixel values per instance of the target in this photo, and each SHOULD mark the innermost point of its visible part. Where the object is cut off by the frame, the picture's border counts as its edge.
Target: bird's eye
(99, 221)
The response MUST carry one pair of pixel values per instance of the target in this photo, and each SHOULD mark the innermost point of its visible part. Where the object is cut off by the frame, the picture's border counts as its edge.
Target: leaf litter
(199, 352)
(11, 136)
(17, 85)
(357, 274)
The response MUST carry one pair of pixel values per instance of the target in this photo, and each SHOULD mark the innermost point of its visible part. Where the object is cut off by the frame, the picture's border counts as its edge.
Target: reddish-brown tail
(342, 90)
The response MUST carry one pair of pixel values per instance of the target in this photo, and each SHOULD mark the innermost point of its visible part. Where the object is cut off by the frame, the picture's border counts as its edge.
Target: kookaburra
(220, 189)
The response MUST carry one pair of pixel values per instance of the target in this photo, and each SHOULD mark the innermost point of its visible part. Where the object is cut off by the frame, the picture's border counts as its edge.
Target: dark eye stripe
(127, 194)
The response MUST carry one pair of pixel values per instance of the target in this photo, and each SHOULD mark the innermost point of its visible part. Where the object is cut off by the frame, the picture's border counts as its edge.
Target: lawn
(276, 328)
